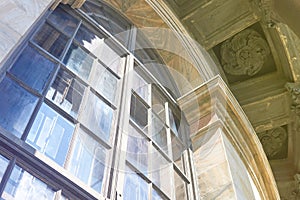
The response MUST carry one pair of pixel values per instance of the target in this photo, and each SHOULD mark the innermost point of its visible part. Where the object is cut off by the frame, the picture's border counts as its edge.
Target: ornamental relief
(244, 53)
(273, 141)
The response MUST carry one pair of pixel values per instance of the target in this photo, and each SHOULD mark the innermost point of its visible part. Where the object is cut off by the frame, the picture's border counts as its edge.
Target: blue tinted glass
(79, 61)
(22, 185)
(66, 92)
(16, 106)
(98, 117)
(88, 160)
(88, 39)
(33, 69)
(63, 21)
(135, 188)
(51, 40)
(51, 134)
(3, 165)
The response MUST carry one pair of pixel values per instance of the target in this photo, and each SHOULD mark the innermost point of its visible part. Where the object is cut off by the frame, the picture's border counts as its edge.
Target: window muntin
(137, 149)
(113, 65)
(3, 166)
(63, 21)
(16, 106)
(98, 117)
(22, 185)
(66, 92)
(88, 160)
(136, 187)
(51, 40)
(180, 187)
(105, 82)
(33, 69)
(51, 134)
(79, 61)
(139, 112)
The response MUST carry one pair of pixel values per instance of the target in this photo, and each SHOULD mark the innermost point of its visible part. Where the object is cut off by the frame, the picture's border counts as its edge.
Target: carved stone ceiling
(257, 56)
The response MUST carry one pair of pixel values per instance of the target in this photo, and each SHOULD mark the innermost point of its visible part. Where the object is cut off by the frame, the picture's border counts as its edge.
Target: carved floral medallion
(245, 53)
(273, 141)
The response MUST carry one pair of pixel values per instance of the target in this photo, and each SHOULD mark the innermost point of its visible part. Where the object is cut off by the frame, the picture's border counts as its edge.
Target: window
(88, 160)
(51, 134)
(16, 106)
(65, 95)
(98, 116)
(33, 69)
(66, 92)
(22, 185)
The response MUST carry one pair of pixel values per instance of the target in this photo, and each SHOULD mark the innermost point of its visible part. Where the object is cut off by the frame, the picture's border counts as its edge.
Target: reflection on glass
(137, 149)
(104, 82)
(161, 175)
(175, 124)
(51, 134)
(88, 39)
(66, 92)
(158, 104)
(51, 40)
(3, 165)
(180, 191)
(22, 185)
(98, 117)
(158, 132)
(177, 152)
(63, 21)
(33, 69)
(16, 106)
(79, 61)
(135, 188)
(156, 195)
(88, 160)
(140, 86)
(110, 58)
(139, 113)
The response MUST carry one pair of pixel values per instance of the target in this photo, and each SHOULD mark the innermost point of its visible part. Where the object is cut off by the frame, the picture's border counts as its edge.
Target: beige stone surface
(16, 17)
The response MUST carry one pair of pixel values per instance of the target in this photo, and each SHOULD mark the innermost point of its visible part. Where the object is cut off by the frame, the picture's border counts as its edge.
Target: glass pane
(137, 149)
(33, 69)
(158, 132)
(51, 134)
(16, 106)
(156, 195)
(110, 58)
(158, 104)
(177, 152)
(180, 191)
(139, 113)
(98, 117)
(3, 166)
(175, 124)
(79, 61)
(63, 21)
(135, 188)
(66, 92)
(140, 86)
(104, 82)
(51, 40)
(88, 160)
(88, 39)
(161, 175)
(22, 185)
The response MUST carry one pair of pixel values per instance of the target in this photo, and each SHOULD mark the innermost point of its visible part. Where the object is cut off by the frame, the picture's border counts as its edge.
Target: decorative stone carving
(294, 90)
(245, 53)
(273, 141)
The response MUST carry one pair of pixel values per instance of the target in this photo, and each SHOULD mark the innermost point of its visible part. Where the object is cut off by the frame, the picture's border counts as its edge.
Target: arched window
(82, 117)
